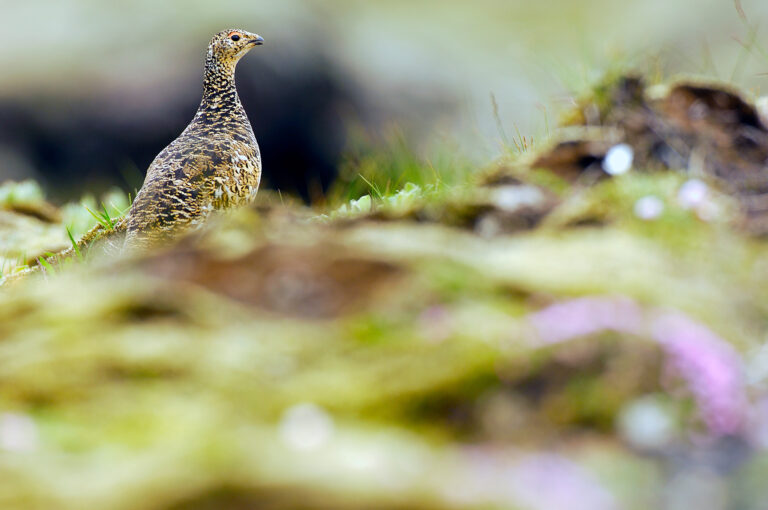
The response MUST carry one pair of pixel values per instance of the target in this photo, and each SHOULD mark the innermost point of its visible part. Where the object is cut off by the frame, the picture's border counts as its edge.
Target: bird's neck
(219, 92)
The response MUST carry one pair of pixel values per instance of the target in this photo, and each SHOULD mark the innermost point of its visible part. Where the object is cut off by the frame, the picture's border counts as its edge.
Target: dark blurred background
(90, 91)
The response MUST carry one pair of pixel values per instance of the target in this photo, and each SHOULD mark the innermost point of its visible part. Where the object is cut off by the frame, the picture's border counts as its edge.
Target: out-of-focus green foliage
(392, 167)
(510, 339)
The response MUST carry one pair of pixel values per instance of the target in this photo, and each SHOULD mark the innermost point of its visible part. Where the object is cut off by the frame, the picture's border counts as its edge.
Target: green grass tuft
(385, 169)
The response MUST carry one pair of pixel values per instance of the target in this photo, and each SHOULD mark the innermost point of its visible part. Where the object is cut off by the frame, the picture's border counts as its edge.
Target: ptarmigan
(214, 164)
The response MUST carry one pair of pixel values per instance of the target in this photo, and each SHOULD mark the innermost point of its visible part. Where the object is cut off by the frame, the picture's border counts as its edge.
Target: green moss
(405, 334)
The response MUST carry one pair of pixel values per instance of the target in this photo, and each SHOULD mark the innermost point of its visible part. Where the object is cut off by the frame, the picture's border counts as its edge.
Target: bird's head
(229, 45)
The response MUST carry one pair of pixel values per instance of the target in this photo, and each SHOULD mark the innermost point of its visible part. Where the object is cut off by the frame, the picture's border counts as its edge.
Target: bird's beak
(257, 41)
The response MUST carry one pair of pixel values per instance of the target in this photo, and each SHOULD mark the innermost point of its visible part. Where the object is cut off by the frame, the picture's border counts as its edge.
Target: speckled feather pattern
(214, 164)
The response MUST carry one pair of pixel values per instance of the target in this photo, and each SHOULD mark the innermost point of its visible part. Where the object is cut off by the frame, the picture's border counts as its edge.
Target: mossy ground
(504, 338)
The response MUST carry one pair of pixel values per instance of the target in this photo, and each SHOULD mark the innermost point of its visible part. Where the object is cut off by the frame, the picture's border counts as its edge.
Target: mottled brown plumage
(214, 164)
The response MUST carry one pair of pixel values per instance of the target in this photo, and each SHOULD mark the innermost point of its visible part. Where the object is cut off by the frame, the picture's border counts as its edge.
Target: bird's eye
(235, 37)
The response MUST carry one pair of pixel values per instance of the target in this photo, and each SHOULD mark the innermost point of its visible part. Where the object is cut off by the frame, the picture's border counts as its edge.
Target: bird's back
(197, 173)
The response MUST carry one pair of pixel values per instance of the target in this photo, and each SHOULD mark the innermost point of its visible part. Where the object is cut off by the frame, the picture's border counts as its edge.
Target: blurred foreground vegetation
(578, 326)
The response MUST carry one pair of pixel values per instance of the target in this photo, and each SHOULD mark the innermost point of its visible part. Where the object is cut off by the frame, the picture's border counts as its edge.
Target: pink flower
(712, 369)
(545, 481)
(551, 482)
(586, 316)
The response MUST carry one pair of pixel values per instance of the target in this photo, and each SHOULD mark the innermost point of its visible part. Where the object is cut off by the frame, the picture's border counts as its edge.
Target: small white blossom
(692, 194)
(618, 160)
(513, 198)
(646, 423)
(18, 433)
(306, 427)
(649, 208)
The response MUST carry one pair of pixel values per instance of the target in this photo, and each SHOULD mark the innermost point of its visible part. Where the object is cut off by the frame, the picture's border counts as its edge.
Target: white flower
(306, 427)
(692, 194)
(18, 433)
(618, 160)
(649, 208)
